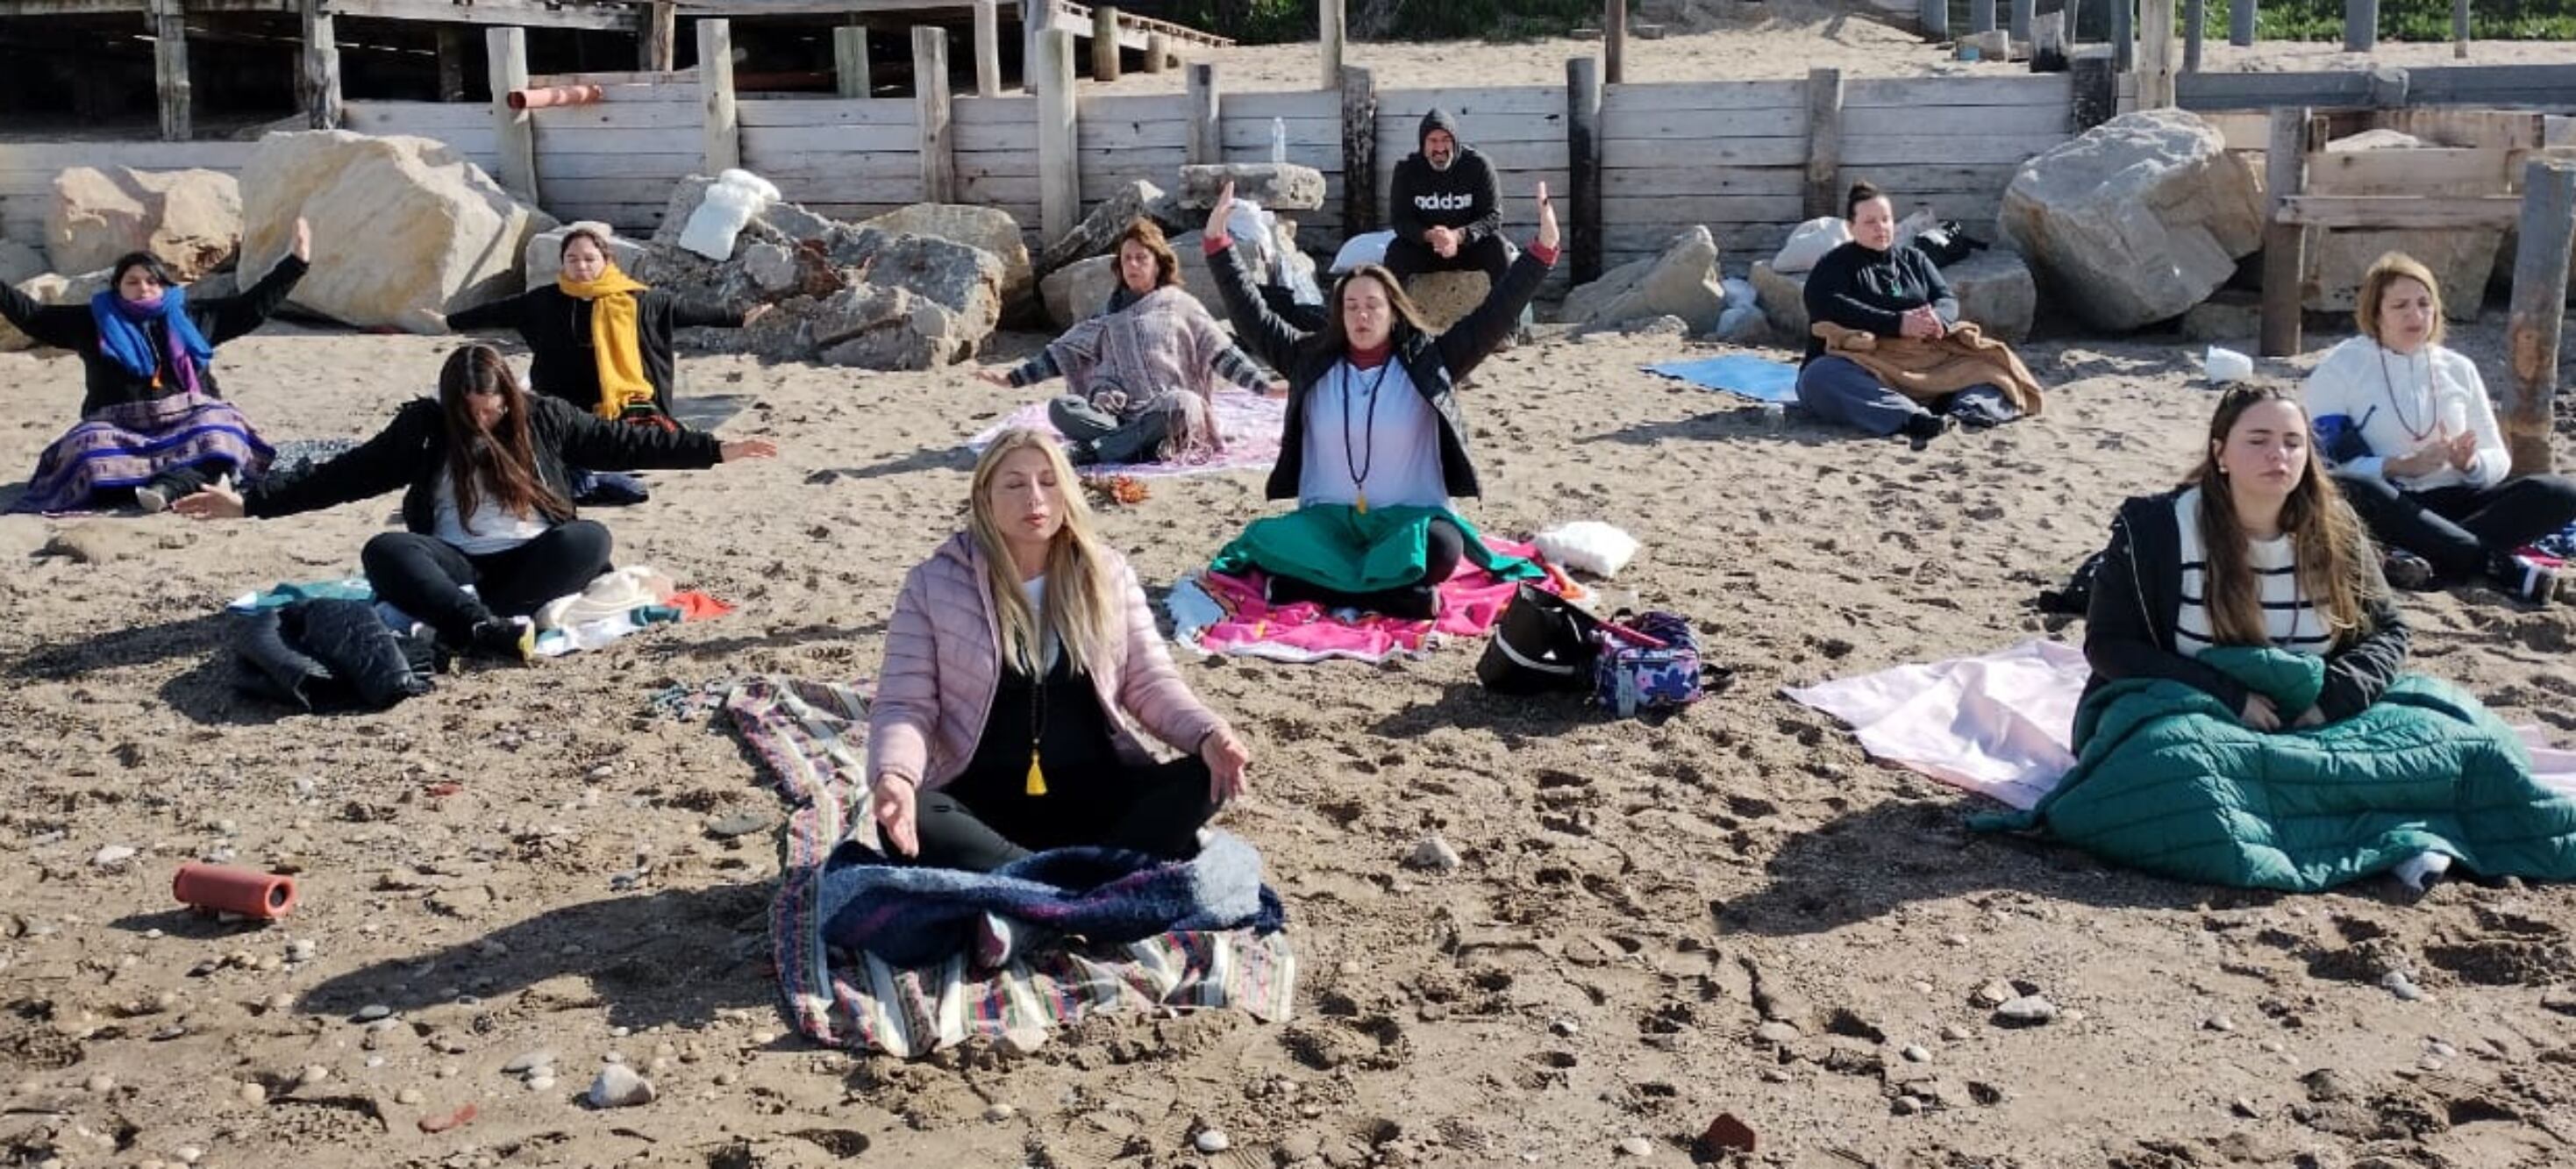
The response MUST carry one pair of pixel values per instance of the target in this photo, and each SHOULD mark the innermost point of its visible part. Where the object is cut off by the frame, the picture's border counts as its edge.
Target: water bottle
(1278, 140)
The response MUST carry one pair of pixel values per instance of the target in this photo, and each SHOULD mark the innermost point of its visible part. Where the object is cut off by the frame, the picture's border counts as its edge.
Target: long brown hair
(503, 458)
(1335, 341)
(2331, 550)
(1167, 265)
(1082, 605)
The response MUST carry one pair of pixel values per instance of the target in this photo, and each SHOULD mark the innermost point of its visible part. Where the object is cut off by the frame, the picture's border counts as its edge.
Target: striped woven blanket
(813, 737)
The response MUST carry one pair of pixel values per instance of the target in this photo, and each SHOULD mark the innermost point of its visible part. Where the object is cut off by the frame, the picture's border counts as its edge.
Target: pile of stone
(2136, 220)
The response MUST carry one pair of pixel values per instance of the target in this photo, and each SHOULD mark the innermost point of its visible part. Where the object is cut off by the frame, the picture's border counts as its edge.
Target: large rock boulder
(1445, 298)
(191, 219)
(2136, 220)
(1994, 289)
(2462, 259)
(1200, 281)
(1101, 229)
(871, 326)
(18, 262)
(544, 259)
(402, 227)
(49, 288)
(1682, 282)
(1078, 289)
(1278, 186)
(986, 228)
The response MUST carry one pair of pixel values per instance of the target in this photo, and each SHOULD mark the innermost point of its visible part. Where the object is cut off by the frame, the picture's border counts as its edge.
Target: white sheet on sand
(2002, 725)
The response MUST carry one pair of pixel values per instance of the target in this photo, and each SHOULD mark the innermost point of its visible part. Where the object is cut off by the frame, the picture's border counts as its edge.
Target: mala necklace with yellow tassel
(1037, 732)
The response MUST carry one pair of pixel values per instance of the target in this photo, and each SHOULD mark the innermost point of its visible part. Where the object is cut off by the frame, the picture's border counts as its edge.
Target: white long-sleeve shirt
(2389, 396)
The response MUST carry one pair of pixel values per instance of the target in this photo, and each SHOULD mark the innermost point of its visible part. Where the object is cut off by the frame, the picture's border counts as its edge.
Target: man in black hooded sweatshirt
(1446, 208)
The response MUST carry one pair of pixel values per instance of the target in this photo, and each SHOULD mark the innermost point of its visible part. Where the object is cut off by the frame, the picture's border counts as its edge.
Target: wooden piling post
(1059, 173)
(1981, 15)
(988, 48)
(2155, 53)
(1207, 134)
(721, 135)
(2240, 22)
(2195, 23)
(1583, 160)
(1935, 15)
(2022, 10)
(1824, 142)
(513, 131)
(2095, 91)
(1036, 17)
(2285, 167)
(319, 83)
(451, 63)
(1158, 52)
(1332, 25)
(1104, 44)
(2360, 25)
(2124, 37)
(167, 21)
(938, 150)
(2460, 29)
(850, 61)
(2533, 332)
(1360, 206)
(1614, 42)
(657, 45)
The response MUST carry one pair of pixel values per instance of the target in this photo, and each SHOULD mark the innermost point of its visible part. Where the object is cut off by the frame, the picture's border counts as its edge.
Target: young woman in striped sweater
(2256, 548)
(1019, 664)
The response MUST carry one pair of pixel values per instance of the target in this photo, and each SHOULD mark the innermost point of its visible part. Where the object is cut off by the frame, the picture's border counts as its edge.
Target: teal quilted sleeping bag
(2169, 781)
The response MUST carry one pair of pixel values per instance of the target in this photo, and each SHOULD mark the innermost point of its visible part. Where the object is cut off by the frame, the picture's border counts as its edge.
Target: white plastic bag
(1588, 546)
(1365, 248)
(1810, 242)
(736, 196)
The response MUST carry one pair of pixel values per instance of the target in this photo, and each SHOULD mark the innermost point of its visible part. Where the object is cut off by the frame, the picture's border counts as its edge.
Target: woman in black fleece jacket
(486, 502)
(1887, 289)
(2271, 556)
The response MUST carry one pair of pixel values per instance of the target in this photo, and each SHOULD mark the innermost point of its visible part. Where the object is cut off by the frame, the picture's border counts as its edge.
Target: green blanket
(1340, 548)
(2170, 781)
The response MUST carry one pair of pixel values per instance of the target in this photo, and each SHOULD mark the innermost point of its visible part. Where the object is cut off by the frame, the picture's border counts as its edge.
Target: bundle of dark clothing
(327, 655)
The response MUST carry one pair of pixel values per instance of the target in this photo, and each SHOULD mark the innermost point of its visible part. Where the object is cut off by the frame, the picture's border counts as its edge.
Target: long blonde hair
(1082, 608)
(2331, 548)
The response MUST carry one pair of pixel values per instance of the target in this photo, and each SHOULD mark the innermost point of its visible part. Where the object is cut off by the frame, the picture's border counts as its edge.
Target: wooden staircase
(1133, 30)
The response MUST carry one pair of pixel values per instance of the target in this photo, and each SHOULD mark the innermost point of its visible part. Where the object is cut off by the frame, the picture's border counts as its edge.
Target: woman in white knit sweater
(2406, 425)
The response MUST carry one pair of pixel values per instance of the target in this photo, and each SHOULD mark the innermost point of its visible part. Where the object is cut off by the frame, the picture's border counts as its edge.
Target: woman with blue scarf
(153, 424)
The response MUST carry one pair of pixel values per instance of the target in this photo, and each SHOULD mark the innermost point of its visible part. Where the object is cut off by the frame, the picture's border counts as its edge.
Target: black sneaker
(503, 638)
(2529, 580)
(1082, 454)
(1921, 429)
(2406, 570)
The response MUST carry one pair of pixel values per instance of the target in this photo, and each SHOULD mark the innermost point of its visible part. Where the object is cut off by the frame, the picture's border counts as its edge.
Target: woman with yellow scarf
(602, 341)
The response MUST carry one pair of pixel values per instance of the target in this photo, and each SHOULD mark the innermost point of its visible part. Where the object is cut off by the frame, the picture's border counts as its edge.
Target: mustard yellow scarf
(613, 337)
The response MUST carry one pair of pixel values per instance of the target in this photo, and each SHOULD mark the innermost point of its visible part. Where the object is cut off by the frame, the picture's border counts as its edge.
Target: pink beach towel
(1223, 614)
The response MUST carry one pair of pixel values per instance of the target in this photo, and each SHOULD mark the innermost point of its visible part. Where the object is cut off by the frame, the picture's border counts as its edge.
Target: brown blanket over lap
(1929, 369)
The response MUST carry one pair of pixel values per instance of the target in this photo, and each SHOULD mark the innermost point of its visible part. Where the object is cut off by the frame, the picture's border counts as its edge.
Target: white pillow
(1588, 546)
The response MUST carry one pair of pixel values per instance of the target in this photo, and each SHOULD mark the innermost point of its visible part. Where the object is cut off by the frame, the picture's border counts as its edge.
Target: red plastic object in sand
(233, 889)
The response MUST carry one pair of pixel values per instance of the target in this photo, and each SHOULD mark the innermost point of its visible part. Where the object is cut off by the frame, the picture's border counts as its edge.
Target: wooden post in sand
(513, 131)
(1104, 44)
(720, 138)
(2460, 29)
(2285, 169)
(1207, 136)
(850, 61)
(2240, 22)
(320, 88)
(1059, 176)
(1981, 15)
(1158, 52)
(2124, 35)
(1936, 18)
(655, 50)
(2533, 332)
(1614, 42)
(988, 49)
(2195, 22)
(2155, 54)
(451, 63)
(2022, 10)
(167, 21)
(1824, 142)
(1331, 27)
(1583, 160)
(1359, 150)
(938, 148)
(2360, 25)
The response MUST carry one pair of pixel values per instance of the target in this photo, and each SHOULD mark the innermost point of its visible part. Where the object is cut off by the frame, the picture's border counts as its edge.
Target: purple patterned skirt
(124, 446)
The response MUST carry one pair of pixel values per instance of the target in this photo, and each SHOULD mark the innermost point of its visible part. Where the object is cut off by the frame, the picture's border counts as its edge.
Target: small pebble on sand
(1914, 1053)
(1000, 1112)
(409, 1096)
(254, 1094)
(188, 1154)
(1636, 1147)
(100, 1085)
(313, 1074)
(1212, 1140)
(373, 1011)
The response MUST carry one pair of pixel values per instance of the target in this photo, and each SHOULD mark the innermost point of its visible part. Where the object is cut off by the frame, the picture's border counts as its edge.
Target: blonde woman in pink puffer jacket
(1020, 658)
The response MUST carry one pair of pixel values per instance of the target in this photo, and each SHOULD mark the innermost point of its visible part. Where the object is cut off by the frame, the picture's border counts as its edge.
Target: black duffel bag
(1541, 644)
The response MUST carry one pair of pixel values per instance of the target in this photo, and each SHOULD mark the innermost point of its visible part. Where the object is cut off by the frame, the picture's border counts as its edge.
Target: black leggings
(1442, 548)
(981, 826)
(426, 576)
(2461, 531)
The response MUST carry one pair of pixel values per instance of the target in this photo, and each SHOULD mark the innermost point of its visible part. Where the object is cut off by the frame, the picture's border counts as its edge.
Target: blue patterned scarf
(121, 337)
